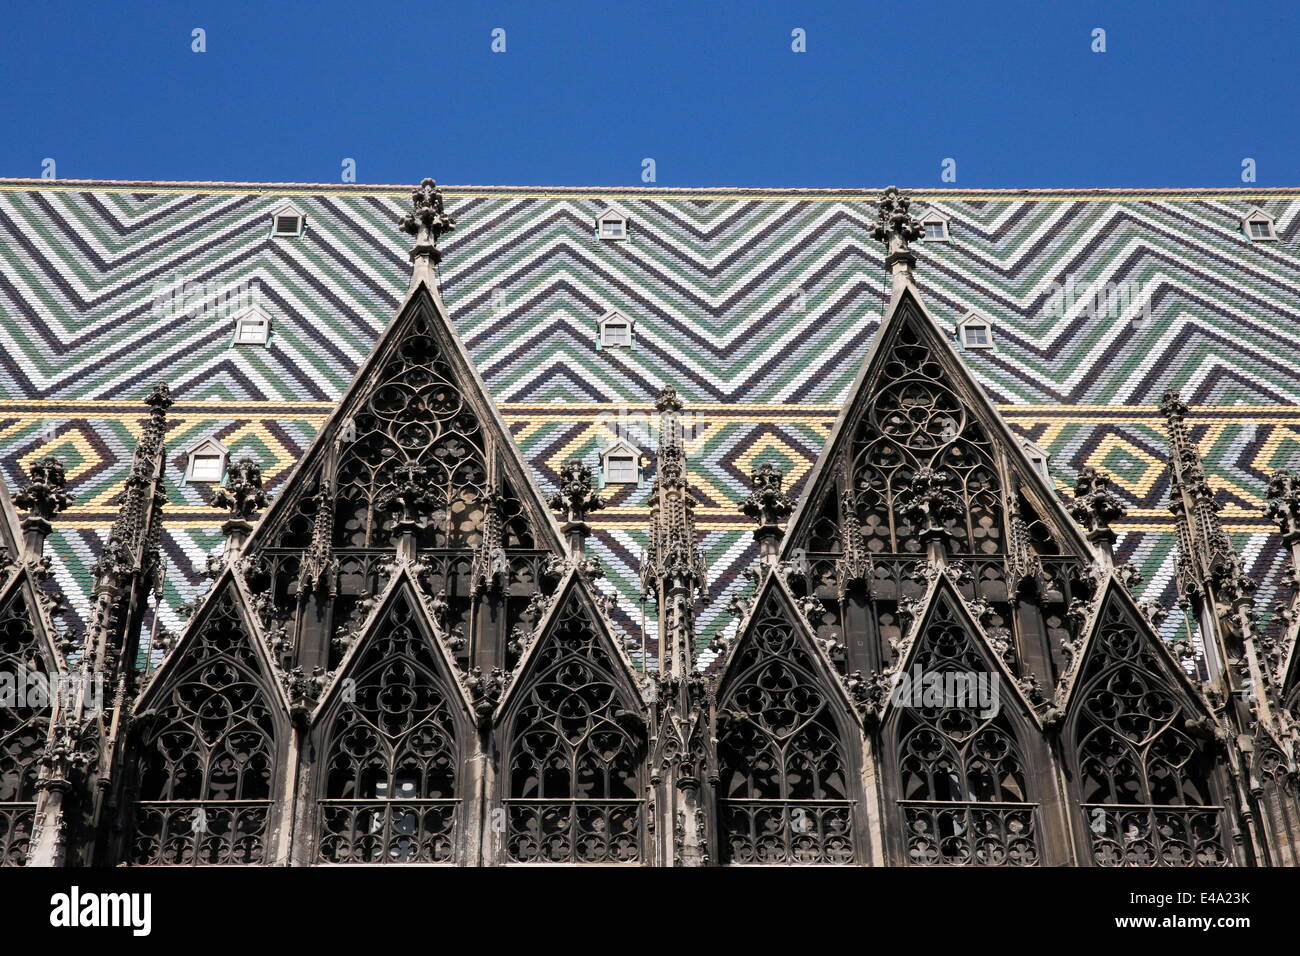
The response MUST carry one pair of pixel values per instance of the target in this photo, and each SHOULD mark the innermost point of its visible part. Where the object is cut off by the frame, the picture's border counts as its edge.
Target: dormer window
(935, 226)
(612, 224)
(207, 462)
(621, 464)
(615, 330)
(1258, 226)
(976, 331)
(1037, 458)
(252, 327)
(287, 220)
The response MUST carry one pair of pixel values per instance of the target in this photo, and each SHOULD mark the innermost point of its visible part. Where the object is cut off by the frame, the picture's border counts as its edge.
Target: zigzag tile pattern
(758, 305)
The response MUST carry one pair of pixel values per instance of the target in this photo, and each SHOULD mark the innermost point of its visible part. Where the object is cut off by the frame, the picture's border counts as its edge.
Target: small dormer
(287, 220)
(934, 227)
(207, 461)
(620, 464)
(975, 331)
(615, 330)
(1038, 458)
(1259, 226)
(611, 224)
(252, 327)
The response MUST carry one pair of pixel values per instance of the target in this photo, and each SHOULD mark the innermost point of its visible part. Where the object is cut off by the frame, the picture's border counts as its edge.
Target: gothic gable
(415, 433)
(962, 746)
(787, 745)
(393, 733)
(571, 739)
(915, 410)
(212, 733)
(1142, 749)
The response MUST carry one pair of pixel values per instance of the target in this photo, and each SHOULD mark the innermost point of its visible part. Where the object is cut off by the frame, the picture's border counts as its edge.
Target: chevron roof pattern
(757, 304)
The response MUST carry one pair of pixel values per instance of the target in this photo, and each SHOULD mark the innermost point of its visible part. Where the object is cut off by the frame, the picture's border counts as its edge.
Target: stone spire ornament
(428, 222)
(1095, 506)
(242, 498)
(674, 570)
(43, 497)
(770, 506)
(896, 227)
(576, 499)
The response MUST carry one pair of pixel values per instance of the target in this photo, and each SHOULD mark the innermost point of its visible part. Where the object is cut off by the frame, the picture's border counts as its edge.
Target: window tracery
(209, 754)
(391, 761)
(24, 726)
(964, 793)
(575, 750)
(1145, 780)
(784, 785)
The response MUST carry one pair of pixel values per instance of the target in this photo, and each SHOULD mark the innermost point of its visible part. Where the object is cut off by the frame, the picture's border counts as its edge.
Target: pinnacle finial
(767, 502)
(895, 226)
(428, 221)
(43, 497)
(668, 400)
(242, 495)
(1096, 505)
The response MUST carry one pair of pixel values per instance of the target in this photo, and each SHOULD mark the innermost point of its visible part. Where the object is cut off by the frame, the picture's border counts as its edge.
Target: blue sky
(711, 91)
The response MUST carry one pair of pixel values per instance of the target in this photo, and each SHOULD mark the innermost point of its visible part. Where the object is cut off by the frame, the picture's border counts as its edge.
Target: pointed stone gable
(395, 725)
(786, 745)
(417, 414)
(212, 730)
(1143, 746)
(573, 743)
(915, 410)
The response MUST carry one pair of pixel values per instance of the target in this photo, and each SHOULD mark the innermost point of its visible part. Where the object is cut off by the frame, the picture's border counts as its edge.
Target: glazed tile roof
(757, 304)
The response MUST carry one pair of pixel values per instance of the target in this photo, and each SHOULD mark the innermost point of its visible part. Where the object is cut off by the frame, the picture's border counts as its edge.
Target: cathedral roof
(757, 304)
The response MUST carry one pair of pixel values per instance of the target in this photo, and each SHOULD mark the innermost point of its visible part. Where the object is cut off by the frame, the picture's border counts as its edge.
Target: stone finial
(411, 502)
(769, 505)
(1095, 506)
(1172, 406)
(242, 498)
(668, 400)
(896, 227)
(930, 506)
(44, 497)
(242, 495)
(575, 499)
(428, 221)
(1283, 507)
(159, 400)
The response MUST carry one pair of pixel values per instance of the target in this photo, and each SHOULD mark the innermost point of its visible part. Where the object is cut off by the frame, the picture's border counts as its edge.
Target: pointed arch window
(24, 726)
(1147, 787)
(964, 794)
(392, 761)
(784, 792)
(575, 748)
(209, 752)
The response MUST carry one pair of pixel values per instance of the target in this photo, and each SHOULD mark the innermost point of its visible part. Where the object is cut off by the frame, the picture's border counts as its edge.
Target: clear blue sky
(711, 91)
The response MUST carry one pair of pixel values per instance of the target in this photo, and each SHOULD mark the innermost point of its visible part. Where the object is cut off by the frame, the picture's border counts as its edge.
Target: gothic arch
(571, 745)
(1147, 788)
(31, 668)
(787, 747)
(211, 744)
(965, 767)
(392, 742)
